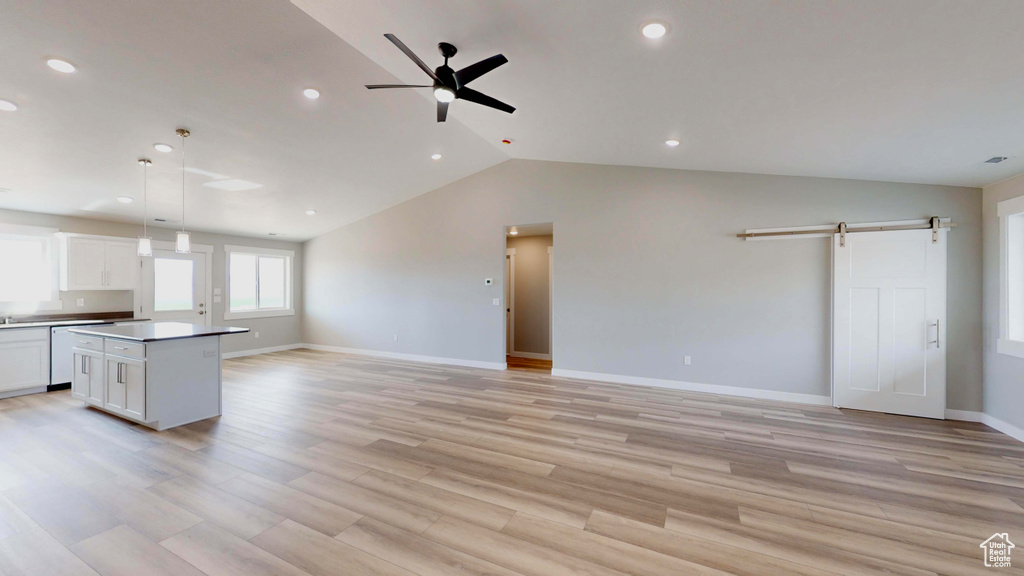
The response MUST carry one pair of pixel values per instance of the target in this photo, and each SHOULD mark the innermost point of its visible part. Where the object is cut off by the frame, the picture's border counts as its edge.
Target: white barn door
(889, 322)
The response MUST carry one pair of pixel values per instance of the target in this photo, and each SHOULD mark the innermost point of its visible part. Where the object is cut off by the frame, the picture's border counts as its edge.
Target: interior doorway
(529, 279)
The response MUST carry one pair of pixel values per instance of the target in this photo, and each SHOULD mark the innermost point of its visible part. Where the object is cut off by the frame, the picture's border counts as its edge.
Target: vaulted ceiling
(911, 91)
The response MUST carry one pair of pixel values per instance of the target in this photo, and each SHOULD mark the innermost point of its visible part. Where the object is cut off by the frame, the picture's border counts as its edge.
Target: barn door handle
(936, 341)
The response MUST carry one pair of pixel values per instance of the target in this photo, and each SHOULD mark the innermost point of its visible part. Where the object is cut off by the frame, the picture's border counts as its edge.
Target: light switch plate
(81, 301)
(686, 360)
(216, 299)
(496, 301)
(216, 291)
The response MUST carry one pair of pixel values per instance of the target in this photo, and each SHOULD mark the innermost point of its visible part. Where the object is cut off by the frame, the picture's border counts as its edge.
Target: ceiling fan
(448, 84)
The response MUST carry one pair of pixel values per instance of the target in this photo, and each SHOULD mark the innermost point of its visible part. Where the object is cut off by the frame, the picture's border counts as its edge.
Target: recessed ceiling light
(163, 147)
(513, 231)
(654, 30)
(310, 212)
(125, 199)
(311, 93)
(672, 143)
(61, 65)
(435, 156)
(8, 106)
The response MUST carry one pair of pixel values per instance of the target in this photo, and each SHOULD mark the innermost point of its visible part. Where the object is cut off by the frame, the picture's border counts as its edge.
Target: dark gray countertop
(156, 331)
(52, 323)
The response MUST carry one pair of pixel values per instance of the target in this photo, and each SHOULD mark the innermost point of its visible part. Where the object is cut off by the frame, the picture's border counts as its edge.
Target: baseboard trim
(531, 355)
(990, 421)
(410, 357)
(696, 387)
(255, 351)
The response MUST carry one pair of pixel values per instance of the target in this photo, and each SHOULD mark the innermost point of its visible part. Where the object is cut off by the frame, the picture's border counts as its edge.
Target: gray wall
(1004, 375)
(278, 331)
(532, 325)
(647, 270)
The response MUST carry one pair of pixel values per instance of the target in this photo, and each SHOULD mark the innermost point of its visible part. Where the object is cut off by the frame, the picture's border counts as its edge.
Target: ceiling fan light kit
(450, 85)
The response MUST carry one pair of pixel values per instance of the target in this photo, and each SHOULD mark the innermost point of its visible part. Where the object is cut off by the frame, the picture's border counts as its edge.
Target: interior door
(174, 287)
(889, 322)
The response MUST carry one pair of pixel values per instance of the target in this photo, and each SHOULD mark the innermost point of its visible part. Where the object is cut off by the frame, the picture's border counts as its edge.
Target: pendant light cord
(182, 182)
(145, 197)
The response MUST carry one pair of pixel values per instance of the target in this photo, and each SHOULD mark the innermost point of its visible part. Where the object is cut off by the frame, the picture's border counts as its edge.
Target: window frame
(289, 258)
(1006, 210)
(48, 237)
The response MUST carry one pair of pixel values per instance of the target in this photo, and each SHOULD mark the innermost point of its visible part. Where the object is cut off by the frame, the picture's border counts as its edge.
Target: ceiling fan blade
(442, 111)
(377, 86)
(394, 40)
(474, 71)
(484, 99)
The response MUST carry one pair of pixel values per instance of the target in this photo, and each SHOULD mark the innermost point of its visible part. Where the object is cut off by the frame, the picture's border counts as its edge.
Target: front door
(174, 287)
(889, 322)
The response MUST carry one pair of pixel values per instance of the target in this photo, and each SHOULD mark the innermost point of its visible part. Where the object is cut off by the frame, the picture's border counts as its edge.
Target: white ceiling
(910, 90)
(232, 71)
(913, 91)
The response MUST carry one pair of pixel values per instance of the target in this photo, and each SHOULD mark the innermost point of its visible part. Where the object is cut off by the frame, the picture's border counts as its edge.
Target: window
(259, 282)
(1011, 277)
(27, 254)
(172, 284)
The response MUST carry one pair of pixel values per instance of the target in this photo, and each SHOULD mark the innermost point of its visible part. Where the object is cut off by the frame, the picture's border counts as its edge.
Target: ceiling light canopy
(125, 199)
(165, 148)
(310, 212)
(672, 143)
(61, 65)
(8, 106)
(435, 156)
(311, 93)
(444, 94)
(654, 30)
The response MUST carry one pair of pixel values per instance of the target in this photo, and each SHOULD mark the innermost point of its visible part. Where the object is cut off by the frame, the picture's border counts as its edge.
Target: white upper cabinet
(98, 263)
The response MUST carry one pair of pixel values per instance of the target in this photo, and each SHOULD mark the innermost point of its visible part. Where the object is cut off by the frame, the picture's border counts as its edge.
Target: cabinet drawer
(127, 349)
(87, 342)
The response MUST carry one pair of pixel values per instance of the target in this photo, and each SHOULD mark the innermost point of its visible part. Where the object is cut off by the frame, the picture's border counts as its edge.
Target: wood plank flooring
(328, 464)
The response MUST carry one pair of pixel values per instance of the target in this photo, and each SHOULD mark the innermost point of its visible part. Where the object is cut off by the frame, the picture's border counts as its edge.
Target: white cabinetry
(87, 380)
(126, 386)
(24, 360)
(97, 263)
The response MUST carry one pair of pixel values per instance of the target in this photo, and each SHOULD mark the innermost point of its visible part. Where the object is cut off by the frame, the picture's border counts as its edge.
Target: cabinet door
(97, 380)
(80, 377)
(116, 387)
(86, 264)
(24, 358)
(134, 376)
(122, 265)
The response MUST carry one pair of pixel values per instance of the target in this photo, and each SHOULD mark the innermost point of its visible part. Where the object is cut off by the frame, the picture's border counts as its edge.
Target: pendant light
(182, 241)
(145, 242)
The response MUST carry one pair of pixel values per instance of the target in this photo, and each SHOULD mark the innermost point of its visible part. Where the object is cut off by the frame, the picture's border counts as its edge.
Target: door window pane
(172, 284)
(242, 278)
(271, 282)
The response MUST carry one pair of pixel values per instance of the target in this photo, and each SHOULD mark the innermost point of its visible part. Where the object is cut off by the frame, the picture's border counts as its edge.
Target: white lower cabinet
(87, 379)
(24, 359)
(126, 386)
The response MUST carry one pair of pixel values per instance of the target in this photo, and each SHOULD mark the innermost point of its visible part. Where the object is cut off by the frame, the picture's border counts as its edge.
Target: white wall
(1004, 375)
(647, 270)
(279, 331)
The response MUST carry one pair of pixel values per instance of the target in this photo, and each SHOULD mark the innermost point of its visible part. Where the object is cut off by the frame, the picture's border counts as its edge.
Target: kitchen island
(159, 374)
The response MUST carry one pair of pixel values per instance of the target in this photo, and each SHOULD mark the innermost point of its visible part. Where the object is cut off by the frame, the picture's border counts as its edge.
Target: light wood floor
(330, 464)
(517, 363)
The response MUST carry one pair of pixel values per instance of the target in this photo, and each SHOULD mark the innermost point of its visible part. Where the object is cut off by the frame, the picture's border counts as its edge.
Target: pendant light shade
(182, 242)
(145, 247)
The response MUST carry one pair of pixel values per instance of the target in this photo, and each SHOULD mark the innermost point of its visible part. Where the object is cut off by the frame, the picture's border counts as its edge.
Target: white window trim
(54, 303)
(288, 310)
(1004, 345)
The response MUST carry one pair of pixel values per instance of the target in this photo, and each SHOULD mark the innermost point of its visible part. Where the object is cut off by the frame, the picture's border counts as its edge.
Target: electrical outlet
(209, 353)
(81, 302)
(257, 335)
(686, 360)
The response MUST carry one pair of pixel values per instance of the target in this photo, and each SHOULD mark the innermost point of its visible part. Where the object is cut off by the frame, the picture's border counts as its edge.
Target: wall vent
(995, 159)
